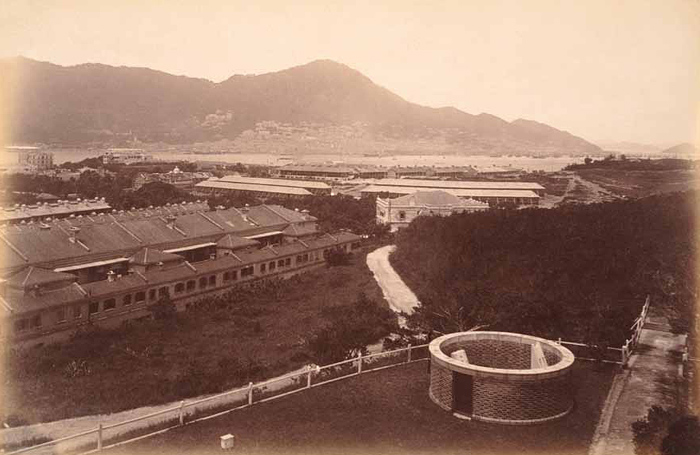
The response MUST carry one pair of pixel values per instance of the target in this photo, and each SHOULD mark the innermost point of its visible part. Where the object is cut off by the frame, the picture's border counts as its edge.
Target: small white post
(408, 360)
(308, 376)
(250, 394)
(559, 340)
(99, 436)
(182, 412)
(359, 362)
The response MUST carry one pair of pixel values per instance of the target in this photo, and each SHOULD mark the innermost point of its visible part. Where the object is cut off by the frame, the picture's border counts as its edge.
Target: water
(482, 163)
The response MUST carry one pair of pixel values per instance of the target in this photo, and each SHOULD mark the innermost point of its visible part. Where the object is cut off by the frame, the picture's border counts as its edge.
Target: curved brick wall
(503, 386)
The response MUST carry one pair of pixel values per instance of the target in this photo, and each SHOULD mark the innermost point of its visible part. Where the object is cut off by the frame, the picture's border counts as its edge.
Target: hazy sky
(602, 69)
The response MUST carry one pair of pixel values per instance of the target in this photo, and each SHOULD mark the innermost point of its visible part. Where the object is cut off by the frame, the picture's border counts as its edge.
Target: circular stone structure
(501, 377)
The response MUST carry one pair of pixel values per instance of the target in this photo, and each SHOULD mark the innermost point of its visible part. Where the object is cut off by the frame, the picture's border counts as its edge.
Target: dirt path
(399, 296)
(597, 193)
(580, 190)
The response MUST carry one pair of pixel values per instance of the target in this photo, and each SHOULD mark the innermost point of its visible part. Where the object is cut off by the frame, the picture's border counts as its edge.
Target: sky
(606, 70)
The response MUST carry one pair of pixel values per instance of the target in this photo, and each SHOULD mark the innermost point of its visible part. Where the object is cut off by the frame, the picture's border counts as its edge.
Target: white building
(34, 158)
(126, 156)
(401, 211)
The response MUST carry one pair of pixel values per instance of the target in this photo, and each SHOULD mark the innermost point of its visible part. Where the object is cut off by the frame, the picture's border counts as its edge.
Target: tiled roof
(34, 276)
(148, 256)
(275, 182)
(299, 231)
(317, 168)
(167, 274)
(47, 299)
(375, 189)
(463, 185)
(275, 189)
(233, 242)
(434, 199)
(52, 209)
(108, 236)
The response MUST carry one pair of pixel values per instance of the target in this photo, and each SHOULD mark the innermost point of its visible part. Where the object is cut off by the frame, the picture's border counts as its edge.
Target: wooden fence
(188, 412)
(631, 343)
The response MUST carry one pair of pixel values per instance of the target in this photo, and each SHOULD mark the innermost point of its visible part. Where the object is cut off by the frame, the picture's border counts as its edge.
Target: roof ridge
(29, 272)
(276, 213)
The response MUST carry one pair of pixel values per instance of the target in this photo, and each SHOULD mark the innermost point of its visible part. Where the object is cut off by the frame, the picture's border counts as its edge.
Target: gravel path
(399, 296)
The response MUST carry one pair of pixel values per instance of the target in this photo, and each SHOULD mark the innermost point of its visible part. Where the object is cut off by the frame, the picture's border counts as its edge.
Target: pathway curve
(652, 378)
(399, 296)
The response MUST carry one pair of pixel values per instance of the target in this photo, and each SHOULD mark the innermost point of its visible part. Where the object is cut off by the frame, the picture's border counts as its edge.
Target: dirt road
(399, 296)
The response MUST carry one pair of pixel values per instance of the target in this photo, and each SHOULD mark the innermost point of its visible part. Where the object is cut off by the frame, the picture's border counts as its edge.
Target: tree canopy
(579, 272)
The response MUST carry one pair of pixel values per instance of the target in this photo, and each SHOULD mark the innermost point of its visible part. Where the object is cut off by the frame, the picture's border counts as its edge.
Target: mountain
(94, 103)
(629, 148)
(682, 149)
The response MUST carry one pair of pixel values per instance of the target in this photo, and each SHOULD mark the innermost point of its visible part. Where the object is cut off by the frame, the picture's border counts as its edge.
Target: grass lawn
(257, 336)
(636, 184)
(386, 412)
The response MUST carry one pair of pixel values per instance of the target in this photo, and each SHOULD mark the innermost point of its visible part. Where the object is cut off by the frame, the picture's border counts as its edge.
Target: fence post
(182, 412)
(408, 360)
(99, 437)
(359, 362)
(559, 340)
(308, 376)
(250, 394)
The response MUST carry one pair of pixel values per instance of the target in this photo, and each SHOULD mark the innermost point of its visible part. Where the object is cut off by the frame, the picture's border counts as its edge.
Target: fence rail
(188, 412)
(205, 408)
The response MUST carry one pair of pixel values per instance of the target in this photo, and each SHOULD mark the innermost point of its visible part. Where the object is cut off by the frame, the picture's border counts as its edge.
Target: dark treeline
(116, 189)
(579, 272)
(622, 163)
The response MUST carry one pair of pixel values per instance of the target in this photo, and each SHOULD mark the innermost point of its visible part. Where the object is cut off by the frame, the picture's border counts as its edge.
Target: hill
(94, 103)
(682, 149)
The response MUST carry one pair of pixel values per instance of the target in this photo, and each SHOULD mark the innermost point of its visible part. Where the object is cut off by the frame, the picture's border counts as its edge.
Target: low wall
(498, 383)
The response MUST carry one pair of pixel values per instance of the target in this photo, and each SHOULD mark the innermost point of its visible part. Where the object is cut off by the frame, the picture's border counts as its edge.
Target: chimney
(73, 234)
(171, 221)
(111, 276)
(35, 291)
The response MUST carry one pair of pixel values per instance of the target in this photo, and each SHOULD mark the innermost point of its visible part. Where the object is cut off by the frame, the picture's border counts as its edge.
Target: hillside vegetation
(579, 272)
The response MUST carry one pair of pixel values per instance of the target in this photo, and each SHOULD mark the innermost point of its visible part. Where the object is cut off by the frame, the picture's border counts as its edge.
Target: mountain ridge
(98, 103)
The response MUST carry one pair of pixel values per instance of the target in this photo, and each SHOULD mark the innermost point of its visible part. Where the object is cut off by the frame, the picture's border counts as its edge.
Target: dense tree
(350, 330)
(579, 272)
(151, 194)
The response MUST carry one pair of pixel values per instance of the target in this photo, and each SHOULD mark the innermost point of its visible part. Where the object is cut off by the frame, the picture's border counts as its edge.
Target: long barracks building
(59, 275)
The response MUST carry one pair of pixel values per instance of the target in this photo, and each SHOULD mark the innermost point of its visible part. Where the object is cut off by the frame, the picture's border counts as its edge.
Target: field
(640, 183)
(386, 412)
(151, 362)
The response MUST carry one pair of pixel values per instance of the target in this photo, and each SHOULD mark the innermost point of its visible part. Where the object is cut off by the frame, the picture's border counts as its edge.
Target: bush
(163, 309)
(667, 432)
(683, 437)
(337, 256)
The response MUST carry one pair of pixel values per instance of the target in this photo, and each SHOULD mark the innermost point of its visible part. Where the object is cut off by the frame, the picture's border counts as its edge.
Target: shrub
(667, 432)
(337, 256)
